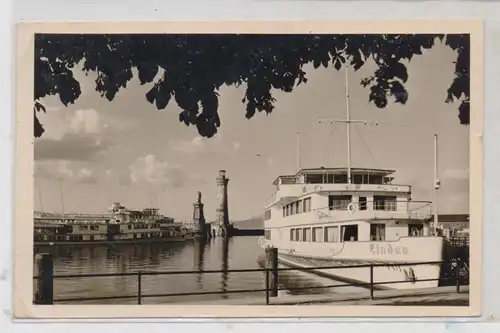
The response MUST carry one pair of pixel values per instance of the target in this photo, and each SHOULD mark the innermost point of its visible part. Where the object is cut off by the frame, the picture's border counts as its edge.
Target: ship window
(350, 233)
(292, 209)
(340, 179)
(317, 234)
(331, 234)
(306, 234)
(377, 232)
(292, 235)
(287, 210)
(329, 178)
(297, 235)
(376, 180)
(307, 205)
(362, 203)
(300, 206)
(314, 179)
(267, 214)
(284, 211)
(129, 227)
(382, 202)
(357, 179)
(415, 230)
(339, 202)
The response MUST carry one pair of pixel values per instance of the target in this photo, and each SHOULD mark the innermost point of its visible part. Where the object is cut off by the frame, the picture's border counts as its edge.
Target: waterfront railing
(44, 288)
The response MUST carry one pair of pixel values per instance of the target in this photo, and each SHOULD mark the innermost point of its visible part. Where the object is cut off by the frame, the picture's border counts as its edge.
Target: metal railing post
(272, 264)
(371, 281)
(44, 292)
(267, 287)
(139, 287)
(457, 276)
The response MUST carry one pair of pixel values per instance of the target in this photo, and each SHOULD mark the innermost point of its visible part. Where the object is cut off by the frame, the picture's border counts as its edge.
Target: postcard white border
(24, 163)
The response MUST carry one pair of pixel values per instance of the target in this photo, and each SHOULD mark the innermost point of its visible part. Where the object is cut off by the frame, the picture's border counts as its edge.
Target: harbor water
(241, 252)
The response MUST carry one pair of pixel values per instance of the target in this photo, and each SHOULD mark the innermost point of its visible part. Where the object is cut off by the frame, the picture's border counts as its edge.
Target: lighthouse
(222, 209)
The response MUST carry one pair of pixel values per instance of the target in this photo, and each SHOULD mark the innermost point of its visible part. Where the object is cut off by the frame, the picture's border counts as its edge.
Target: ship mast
(348, 121)
(40, 197)
(348, 125)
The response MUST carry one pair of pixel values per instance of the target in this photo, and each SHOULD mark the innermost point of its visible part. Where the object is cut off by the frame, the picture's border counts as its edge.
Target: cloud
(86, 176)
(117, 176)
(60, 122)
(74, 147)
(151, 170)
(458, 174)
(85, 121)
(63, 170)
(72, 135)
(195, 146)
(205, 146)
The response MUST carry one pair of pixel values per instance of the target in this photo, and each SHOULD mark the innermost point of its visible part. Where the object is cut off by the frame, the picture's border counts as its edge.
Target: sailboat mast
(348, 125)
(40, 197)
(436, 184)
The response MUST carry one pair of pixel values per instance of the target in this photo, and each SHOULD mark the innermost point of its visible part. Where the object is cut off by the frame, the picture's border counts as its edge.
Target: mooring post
(267, 286)
(139, 287)
(44, 292)
(272, 264)
(371, 281)
(457, 276)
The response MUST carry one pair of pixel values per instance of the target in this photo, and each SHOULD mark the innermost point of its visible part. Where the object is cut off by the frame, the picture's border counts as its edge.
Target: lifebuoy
(351, 208)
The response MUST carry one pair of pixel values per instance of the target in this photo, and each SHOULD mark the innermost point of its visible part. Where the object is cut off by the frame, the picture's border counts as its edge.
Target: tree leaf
(198, 65)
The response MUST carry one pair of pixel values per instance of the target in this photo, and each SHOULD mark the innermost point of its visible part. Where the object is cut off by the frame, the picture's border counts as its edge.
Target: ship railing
(298, 189)
(455, 275)
(271, 199)
(420, 210)
(414, 209)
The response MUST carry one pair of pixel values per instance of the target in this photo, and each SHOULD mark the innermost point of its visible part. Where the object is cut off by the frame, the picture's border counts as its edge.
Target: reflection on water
(214, 254)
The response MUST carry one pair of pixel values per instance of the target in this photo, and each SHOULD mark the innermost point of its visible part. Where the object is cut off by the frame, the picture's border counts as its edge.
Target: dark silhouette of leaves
(192, 68)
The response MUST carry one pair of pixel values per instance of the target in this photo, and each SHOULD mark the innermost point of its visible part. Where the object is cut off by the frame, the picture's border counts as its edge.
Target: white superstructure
(353, 216)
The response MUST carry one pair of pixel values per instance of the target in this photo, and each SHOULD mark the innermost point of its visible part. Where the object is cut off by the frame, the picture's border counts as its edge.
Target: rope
(325, 144)
(367, 147)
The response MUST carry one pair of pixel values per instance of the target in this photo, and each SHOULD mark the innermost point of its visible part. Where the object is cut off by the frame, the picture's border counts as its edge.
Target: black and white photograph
(251, 168)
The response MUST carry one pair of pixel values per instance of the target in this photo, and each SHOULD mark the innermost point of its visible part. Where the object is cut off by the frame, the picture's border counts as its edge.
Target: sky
(96, 152)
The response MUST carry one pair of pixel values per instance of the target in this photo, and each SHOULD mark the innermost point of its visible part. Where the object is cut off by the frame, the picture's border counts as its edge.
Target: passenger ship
(324, 217)
(119, 226)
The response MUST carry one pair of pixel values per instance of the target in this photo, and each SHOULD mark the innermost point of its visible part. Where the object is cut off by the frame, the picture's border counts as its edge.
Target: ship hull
(348, 273)
(174, 239)
(388, 268)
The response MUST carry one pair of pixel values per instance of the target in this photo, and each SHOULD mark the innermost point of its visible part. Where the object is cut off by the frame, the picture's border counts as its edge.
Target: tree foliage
(194, 67)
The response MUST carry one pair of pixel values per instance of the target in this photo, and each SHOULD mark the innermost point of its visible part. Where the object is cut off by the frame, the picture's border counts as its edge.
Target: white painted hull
(405, 250)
